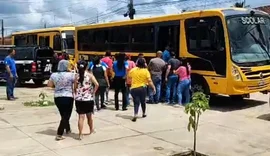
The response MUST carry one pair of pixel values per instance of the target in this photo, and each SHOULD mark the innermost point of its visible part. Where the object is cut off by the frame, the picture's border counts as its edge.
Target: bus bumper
(247, 87)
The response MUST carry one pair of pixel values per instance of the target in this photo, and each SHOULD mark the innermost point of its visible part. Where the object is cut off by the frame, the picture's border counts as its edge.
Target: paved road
(225, 130)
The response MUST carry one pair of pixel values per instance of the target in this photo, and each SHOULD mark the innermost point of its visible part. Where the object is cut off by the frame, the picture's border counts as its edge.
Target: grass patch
(39, 103)
(42, 102)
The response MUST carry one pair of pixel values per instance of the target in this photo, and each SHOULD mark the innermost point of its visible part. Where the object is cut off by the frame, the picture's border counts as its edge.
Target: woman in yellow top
(140, 78)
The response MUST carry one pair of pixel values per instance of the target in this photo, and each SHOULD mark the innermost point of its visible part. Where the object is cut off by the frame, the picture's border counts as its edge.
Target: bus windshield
(250, 39)
(68, 42)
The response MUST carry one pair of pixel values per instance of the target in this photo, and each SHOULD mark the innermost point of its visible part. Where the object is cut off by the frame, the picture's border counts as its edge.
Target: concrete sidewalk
(31, 131)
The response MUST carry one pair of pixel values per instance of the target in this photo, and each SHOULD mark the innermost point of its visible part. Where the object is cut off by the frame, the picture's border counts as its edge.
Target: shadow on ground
(264, 117)
(53, 132)
(26, 85)
(226, 104)
(126, 117)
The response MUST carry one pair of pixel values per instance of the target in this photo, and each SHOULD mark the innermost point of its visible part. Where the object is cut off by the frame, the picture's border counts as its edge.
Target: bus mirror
(63, 35)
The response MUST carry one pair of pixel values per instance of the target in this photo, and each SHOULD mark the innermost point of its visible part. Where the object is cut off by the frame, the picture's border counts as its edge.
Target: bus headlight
(236, 74)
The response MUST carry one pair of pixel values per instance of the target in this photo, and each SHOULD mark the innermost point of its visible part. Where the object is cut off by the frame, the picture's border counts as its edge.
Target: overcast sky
(31, 14)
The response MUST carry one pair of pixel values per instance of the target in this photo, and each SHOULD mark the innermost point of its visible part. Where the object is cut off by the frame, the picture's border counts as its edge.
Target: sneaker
(144, 115)
(58, 138)
(134, 119)
(11, 99)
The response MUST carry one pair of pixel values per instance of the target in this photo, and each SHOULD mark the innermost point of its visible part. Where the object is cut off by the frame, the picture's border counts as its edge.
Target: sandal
(80, 137)
(91, 132)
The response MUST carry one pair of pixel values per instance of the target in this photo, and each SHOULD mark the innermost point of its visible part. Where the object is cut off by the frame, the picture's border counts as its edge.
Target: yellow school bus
(228, 49)
(61, 39)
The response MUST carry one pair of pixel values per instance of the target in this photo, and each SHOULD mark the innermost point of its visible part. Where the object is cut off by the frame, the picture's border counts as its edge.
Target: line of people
(90, 85)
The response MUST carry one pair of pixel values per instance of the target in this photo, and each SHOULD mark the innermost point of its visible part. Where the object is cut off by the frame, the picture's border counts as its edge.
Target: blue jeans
(128, 93)
(139, 95)
(183, 91)
(157, 83)
(10, 87)
(171, 84)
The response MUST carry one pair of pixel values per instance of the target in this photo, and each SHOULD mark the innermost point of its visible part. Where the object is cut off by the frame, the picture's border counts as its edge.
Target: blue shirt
(9, 61)
(166, 56)
(120, 72)
(91, 64)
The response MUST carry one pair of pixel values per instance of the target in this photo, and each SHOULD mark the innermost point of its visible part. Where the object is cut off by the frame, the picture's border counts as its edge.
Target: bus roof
(64, 28)
(188, 14)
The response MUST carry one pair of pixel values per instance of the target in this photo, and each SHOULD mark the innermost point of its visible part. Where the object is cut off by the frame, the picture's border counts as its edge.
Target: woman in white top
(63, 83)
(85, 87)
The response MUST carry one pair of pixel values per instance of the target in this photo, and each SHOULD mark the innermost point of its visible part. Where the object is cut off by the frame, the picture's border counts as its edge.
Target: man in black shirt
(171, 78)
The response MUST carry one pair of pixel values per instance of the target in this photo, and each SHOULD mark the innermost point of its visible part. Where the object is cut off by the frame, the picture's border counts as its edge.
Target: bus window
(31, 40)
(205, 39)
(143, 38)
(20, 40)
(85, 39)
(47, 41)
(44, 41)
(119, 40)
(100, 42)
(57, 42)
(204, 34)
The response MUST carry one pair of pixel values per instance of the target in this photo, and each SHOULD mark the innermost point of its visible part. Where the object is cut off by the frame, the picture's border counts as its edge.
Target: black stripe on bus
(200, 64)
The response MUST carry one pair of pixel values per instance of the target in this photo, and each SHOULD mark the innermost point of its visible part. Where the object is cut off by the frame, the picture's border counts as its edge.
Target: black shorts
(84, 107)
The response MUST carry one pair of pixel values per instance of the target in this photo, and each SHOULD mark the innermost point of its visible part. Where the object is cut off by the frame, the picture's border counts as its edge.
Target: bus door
(205, 39)
(168, 34)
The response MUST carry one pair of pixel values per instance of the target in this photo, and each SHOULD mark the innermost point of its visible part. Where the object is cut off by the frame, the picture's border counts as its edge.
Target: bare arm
(150, 83)
(9, 71)
(50, 84)
(106, 78)
(168, 71)
(75, 84)
(94, 81)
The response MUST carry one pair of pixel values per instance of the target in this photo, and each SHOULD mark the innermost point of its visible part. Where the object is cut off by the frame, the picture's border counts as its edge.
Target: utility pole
(3, 38)
(131, 11)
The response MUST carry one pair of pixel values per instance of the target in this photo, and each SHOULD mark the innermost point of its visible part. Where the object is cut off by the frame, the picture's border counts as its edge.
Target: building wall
(7, 41)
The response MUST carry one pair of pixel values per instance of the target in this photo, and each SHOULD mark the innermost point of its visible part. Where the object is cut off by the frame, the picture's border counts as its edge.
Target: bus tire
(199, 84)
(38, 82)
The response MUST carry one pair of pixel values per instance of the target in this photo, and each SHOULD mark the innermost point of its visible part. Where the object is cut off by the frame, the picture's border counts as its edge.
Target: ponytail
(82, 67)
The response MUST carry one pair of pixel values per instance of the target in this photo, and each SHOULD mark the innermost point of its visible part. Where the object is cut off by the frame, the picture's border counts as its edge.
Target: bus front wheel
(200, 85)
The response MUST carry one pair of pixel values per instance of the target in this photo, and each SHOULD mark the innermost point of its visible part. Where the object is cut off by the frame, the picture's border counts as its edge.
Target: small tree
(42, 96)
(199, 104)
